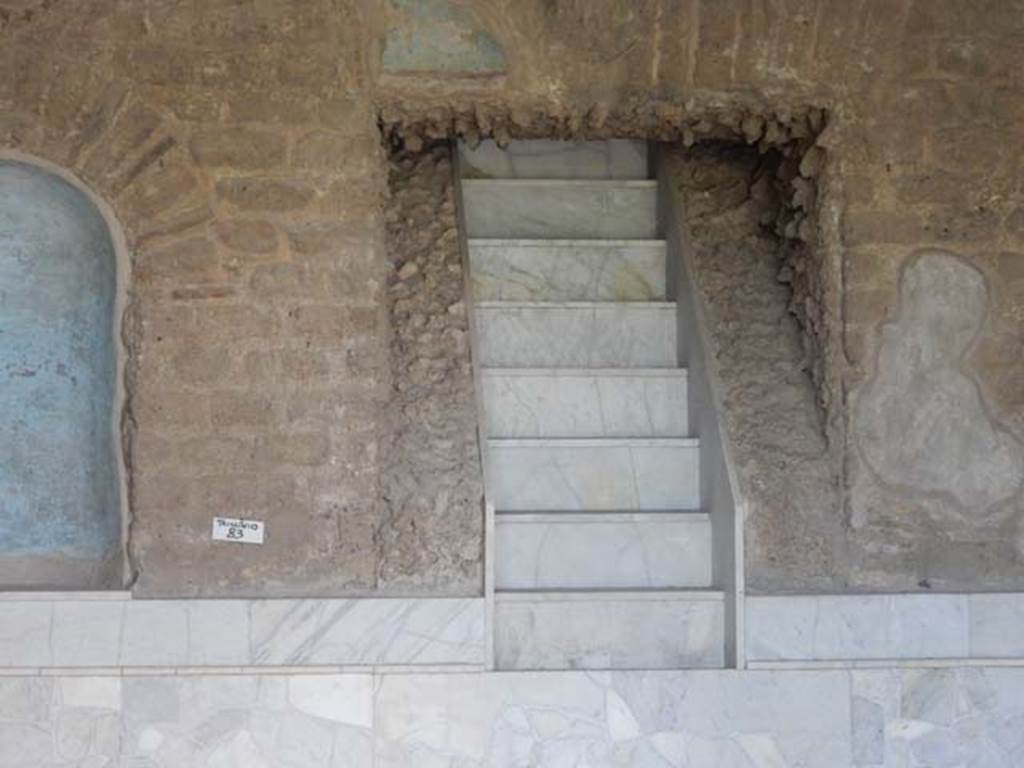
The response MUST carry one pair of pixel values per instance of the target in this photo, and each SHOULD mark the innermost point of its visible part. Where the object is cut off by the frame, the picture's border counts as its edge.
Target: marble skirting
(70, 632)
(894, 718)
(864, 628)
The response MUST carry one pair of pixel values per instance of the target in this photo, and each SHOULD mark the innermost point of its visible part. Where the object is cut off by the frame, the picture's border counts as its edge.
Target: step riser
(571, 405)
(609, 634)
(612, 478)
(509, 271)
(614, 159)
(584, 337)
(594, 555)
(598, 210)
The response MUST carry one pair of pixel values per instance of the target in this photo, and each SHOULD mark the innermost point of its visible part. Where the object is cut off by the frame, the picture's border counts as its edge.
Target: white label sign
(238, 530)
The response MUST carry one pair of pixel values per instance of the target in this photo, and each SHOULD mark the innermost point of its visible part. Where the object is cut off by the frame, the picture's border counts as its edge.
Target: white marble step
(609, 630)
(596, 402)
(540, 159)
(593, 475)
(557, 208)
(602, 550)
(567, 270)
(577, 334)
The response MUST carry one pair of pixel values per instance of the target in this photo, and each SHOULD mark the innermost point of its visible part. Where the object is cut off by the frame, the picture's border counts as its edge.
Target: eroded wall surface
(238, 144)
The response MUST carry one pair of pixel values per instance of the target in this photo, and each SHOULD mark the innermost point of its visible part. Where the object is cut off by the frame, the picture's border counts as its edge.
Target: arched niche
(61, 492)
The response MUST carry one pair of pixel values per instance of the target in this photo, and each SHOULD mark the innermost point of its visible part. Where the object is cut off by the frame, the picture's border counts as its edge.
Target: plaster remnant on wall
(436, 36)
(921, 424)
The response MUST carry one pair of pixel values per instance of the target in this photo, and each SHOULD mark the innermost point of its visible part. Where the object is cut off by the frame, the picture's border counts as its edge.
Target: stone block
(238, 148)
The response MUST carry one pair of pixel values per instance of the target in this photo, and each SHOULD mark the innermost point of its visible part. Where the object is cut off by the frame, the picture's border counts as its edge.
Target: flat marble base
(602, 550)
(517, 208)
(608, 630)
(567, 270)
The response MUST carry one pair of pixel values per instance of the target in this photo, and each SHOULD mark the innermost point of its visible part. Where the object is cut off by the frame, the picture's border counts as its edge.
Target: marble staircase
(602, 555)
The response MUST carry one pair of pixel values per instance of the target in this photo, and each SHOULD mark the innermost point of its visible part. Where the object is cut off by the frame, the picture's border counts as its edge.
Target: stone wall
(431, 535)
(238, 144)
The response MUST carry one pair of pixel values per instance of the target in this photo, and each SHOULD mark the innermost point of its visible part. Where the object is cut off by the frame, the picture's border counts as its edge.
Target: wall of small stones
(240, 146)
(431, 534)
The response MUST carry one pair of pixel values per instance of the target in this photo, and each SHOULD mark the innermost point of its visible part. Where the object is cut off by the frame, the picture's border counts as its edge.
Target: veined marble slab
(851, 627)
(242, 633)
(608, 630)
(541, 159)
(602, 550)
(577, 335)
(590, 475)
(550, 208)
(567, 270)
(636, 719)
(611, 402)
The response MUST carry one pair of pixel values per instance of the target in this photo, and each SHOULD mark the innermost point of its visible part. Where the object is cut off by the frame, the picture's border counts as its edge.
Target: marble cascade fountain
(602, 553)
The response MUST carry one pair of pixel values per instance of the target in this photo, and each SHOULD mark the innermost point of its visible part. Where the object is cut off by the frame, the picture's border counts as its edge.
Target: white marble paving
(889, 718)
(616, 475)
(624, 719)
(250, 721)
(930, 718)
(567, 270)
(585, 403)
(602, 551)
(540, 159)
(834, 627)
(550, 208)
(608, 630)
(577, 335)
(241, 633)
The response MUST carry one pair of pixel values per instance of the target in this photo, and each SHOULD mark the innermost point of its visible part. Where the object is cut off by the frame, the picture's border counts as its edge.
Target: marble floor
(890, 718)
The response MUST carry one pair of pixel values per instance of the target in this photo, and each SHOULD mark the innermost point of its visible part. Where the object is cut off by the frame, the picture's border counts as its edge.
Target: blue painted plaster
(59, 490)
(439, 37)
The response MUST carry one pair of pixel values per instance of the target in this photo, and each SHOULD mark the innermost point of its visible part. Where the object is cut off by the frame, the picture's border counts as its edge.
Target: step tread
(593, 442)
(653, 305)
(605, 518)
(584, 595)
(659, 373)
(555, 242)
(469, 184)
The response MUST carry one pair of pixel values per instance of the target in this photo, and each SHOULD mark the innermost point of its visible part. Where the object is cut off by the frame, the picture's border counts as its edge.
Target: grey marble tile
(832, 627)
(577, 336)
(560, 209)
(540, 159)
(614, 475)
(636, 719)
(997, 625)
(968, 716)
(602, 551)
(607, 631)
(582, 403)
(567, 270)
(50, 722)
(256, 722)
